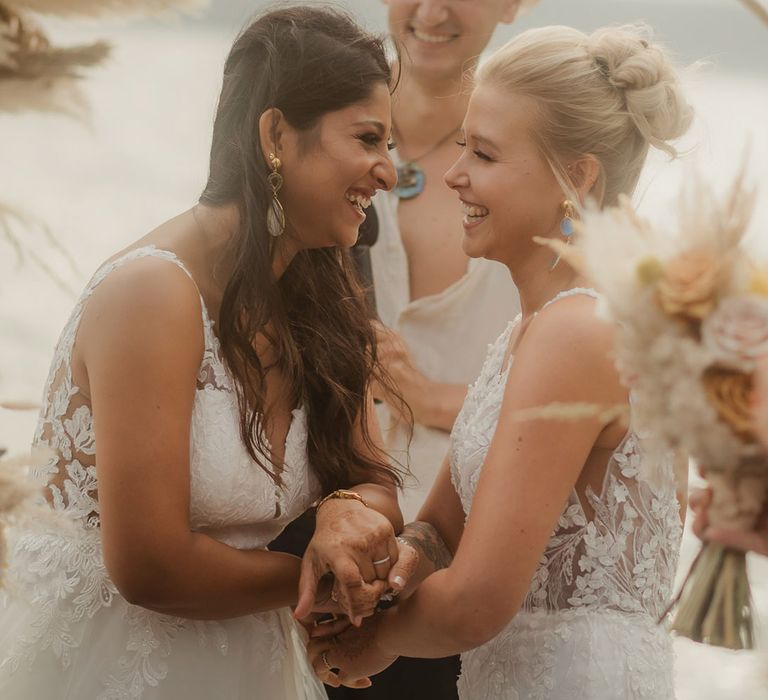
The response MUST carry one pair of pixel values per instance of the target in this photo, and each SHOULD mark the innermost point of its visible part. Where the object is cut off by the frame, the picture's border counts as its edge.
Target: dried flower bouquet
(692, 313)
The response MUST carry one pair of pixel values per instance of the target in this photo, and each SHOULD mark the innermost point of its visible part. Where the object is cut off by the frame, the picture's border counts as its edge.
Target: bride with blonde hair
(545, 553)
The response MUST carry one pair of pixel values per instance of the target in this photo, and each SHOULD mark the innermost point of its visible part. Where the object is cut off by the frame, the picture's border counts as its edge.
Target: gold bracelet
(343, 494)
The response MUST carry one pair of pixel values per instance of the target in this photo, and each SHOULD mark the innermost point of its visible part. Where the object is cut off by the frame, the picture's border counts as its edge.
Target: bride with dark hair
(211, 384)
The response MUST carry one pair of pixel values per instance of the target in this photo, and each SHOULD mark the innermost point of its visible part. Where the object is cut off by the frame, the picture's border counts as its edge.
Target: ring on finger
(334, 598)
(382, 561)
(325, 662)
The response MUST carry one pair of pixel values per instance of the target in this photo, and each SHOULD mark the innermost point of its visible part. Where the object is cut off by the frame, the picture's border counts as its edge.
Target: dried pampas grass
(571, 255)
(7, 47)
(576, 411)
(19, 406)
(760, 10)
(108, 8)
(18, 494)
(12, 219)
(34, 75)
(62, 96)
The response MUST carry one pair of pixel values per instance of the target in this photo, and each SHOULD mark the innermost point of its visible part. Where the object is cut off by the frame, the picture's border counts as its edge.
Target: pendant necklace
(411, 179)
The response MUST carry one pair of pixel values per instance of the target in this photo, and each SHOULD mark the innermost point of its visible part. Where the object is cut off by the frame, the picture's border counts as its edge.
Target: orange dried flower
(731, 393)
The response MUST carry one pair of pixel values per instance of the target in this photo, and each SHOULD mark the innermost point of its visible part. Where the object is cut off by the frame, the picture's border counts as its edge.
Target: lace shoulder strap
(212, 370)
(586, 291)
(498, 348)
(145, 251)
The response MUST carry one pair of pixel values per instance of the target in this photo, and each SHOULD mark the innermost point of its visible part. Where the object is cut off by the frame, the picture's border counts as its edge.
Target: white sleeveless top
(588, 626)
(76, 630)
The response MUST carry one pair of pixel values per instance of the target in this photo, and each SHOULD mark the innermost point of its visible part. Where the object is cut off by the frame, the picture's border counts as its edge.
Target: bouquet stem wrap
(714, 603)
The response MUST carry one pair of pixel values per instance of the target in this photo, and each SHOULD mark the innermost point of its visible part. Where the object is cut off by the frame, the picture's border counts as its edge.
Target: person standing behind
(439, 309)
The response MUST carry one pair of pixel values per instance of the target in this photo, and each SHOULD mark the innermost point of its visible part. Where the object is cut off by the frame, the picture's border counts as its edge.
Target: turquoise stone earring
(566, 223)
(566, 228)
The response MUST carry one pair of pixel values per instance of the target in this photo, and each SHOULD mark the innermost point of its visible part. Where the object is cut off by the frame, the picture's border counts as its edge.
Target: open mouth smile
(473, 213)
(359, 200)
(432, 37)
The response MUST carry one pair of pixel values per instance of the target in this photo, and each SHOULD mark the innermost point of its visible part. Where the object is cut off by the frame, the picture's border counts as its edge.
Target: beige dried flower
(689, 284)
(567, 253)
(737, 332)
(16, 493)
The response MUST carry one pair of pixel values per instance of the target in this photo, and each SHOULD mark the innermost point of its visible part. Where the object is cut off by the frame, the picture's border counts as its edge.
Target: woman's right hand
(350, 540)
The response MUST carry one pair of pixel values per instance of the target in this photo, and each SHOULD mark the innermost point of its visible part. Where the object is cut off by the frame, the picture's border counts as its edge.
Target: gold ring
(382, 561)
(325, 661)
(333, 595)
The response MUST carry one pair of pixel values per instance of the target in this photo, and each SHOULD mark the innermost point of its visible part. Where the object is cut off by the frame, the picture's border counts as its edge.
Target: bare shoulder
(144, 301)
(568, 353)
(571, 326)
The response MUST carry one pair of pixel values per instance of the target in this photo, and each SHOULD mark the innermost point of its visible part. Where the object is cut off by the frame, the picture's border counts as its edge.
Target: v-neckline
(269, 447)
(508, 356)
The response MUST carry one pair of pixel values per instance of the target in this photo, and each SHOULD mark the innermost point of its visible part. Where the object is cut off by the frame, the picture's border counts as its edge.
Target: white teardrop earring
(275, 212)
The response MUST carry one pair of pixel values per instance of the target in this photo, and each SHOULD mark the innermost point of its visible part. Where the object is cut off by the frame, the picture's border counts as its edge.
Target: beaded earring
(275, 213)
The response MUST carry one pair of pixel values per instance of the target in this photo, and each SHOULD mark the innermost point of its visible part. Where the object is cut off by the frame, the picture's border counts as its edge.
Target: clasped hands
(352, 562)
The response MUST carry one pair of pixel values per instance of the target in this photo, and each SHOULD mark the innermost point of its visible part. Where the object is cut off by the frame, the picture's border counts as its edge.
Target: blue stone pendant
(410, 181)
(566, 226)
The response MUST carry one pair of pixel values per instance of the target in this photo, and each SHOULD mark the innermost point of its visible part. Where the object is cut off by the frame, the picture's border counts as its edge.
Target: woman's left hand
(357, 545)
(754, 540)
(351, 657)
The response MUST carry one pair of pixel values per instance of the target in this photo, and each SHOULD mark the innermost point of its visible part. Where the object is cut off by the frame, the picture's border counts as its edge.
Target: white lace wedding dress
(66, 633)
(588, 627)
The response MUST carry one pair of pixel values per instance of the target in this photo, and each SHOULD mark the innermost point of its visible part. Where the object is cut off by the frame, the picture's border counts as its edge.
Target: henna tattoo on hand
(424, 538)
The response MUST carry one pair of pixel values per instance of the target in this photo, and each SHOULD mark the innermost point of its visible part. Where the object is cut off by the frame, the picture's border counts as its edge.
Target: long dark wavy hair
(306, 62)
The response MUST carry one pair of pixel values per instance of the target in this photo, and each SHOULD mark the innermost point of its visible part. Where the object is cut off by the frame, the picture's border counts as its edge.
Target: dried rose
(737, 332)
(730, 392)
(688, 286)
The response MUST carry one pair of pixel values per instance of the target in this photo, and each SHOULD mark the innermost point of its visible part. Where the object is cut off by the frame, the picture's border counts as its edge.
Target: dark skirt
(406, 679)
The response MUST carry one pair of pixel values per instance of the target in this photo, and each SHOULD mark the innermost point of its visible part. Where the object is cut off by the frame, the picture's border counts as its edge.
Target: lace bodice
(230, 496)
(622, 559)
(61, 570)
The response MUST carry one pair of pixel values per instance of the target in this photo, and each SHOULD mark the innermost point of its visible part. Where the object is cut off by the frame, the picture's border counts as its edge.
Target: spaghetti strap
(144, 252)
(585, 291)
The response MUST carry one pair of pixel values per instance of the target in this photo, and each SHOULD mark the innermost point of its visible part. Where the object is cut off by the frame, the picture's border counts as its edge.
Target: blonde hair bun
(612, 94)
(651, 86)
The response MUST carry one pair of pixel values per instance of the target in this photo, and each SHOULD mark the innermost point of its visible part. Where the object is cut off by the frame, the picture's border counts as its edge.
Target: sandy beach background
(142, 155)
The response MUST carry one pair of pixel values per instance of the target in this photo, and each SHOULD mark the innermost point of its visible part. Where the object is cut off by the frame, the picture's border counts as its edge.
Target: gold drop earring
(275, 212)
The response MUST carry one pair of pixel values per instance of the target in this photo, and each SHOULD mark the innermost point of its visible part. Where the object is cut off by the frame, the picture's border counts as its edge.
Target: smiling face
(332, 172)
(439, 37)
(507, 190)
